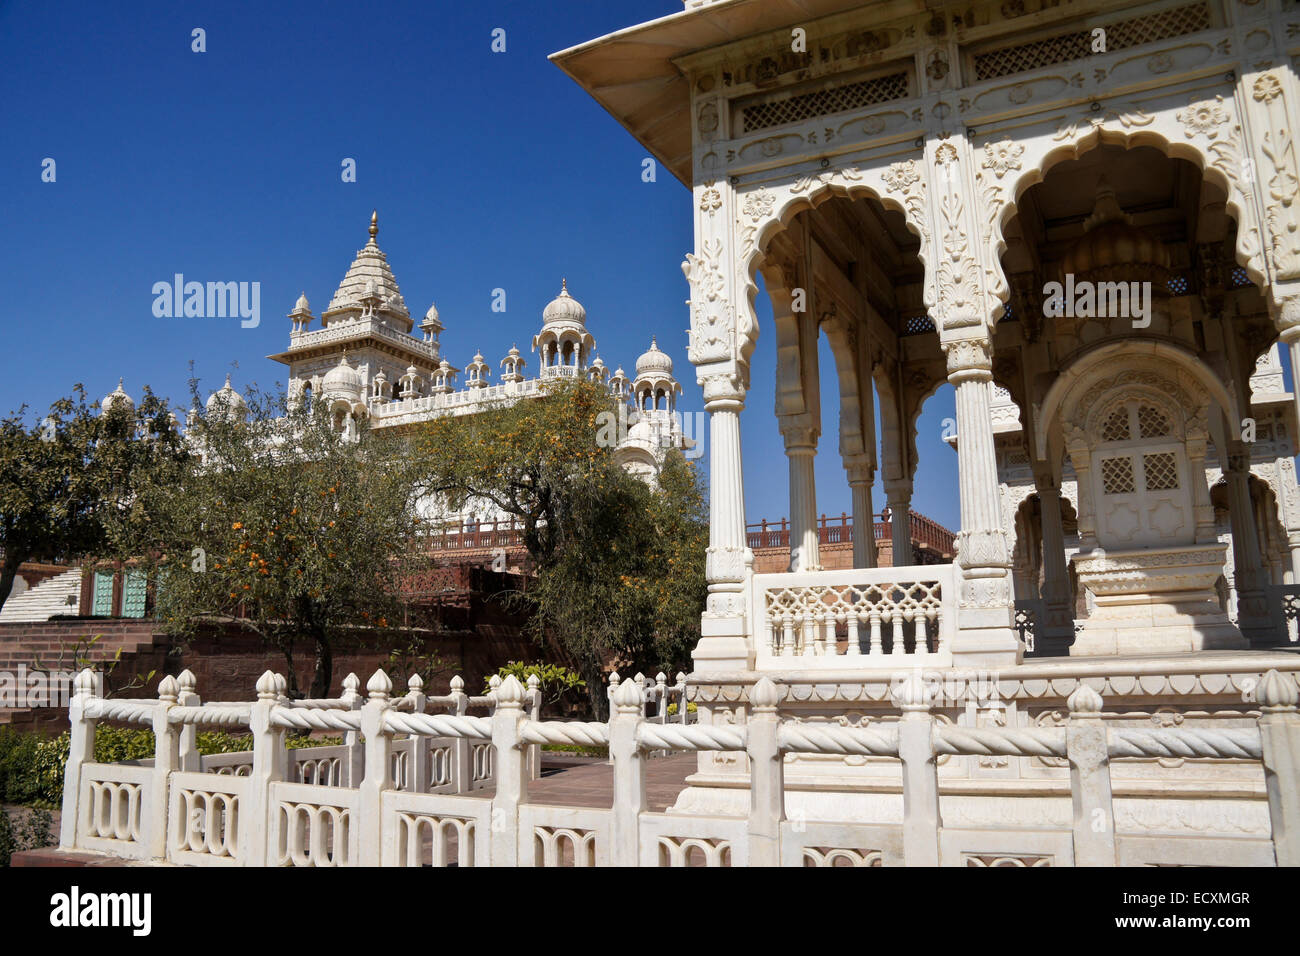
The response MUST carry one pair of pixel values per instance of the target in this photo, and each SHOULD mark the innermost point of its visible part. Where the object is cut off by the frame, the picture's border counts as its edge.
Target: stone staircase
(54, 644)
(60, 594)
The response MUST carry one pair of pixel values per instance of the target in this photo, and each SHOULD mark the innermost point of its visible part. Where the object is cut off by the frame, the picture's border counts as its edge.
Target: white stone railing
(657, 697)
(120, 807)
(560, 371)
(342, 330)
(881, 615)
(385, 413)
(265, 819)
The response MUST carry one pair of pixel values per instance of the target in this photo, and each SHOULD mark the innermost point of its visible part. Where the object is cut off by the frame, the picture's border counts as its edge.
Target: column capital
(898, 489)
(859, 471)
(800, 437)
(723, 392)
(970, 358)
(1286, 316)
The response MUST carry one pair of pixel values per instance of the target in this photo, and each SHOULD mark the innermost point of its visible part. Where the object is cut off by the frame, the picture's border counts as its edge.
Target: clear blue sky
(488, 170)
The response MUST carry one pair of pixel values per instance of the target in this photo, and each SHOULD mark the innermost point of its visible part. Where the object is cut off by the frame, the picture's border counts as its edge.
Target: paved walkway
(592, 785)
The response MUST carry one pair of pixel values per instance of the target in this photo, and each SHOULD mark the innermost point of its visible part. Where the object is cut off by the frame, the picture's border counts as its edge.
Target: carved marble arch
(1097, 375)
(766, 209)
(1205, 131)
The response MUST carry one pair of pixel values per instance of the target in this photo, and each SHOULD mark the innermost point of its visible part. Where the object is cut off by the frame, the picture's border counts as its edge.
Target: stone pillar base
(1154, 601)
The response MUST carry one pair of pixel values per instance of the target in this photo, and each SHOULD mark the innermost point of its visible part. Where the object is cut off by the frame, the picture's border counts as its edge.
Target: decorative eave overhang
(634, 73)
(363, 341)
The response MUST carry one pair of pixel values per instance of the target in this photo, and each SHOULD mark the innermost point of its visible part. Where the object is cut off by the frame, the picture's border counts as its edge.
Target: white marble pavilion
(924, 186)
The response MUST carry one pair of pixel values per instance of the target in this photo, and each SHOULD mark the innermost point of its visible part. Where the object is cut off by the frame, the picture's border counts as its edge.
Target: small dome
(228, 399)
(653, 360)
(342, 378)
(431, 317)
(1112, 247)
(117, 395)
(302, 305)
(564, 309)
(599, 363)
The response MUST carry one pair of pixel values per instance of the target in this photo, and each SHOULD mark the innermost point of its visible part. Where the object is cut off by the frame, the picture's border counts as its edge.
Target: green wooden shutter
(101, 604)
(134, 590)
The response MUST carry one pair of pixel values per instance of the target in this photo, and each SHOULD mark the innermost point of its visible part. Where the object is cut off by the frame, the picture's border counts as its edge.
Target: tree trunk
(597, 691)
(291, 679)
(324, 675)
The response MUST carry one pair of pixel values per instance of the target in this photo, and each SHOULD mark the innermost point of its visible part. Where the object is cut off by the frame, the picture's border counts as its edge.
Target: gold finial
(564, 286)
(374, 224)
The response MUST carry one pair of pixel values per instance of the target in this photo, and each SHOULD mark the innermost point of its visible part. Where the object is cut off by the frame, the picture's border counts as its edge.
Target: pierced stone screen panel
(1152, 422)
(1117, 476)
(1116, 427)
(1077, 44)
(773, 111)
(1161, 471)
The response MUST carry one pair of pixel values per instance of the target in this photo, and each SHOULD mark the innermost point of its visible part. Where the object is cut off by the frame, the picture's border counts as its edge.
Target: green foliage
(581, 750)
(77, 656)
(32, 831)
(80, 482)
(414, 655)
(291, 532)
(555, 681)
(672, 708)
(619, 564)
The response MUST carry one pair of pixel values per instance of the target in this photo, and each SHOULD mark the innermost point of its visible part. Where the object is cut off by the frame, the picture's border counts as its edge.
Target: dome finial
(564, 286)
(374, 224)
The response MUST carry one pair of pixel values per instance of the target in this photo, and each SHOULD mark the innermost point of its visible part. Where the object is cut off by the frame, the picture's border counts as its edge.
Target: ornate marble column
(861, 477)
(729, 561)
(899, 496)
(1197, 438)
(1057, 628)
(985, 621)
(801, 450)
(1248, 564)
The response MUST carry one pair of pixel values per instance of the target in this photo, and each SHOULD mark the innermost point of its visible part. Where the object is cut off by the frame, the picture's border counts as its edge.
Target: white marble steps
(44, 601)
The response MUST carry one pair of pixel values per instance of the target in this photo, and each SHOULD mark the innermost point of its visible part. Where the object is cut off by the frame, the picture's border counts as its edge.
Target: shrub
(557, 683)
(33, 831)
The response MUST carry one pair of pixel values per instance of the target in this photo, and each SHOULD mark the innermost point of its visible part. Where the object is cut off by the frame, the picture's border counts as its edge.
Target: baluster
(808, 634)
(876, 647)
(851, 623)
(896, 634)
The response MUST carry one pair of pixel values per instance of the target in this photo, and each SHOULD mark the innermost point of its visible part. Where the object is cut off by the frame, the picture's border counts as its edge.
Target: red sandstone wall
(478, 636)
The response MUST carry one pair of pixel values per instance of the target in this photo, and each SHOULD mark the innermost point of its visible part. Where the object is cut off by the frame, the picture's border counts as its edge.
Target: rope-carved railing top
(914, 697)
